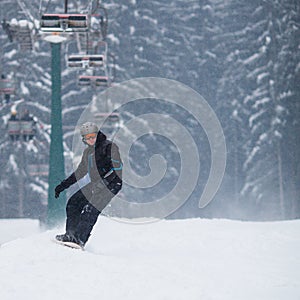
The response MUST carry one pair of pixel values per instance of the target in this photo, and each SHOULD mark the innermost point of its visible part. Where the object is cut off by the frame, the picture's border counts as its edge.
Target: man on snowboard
(101, 160)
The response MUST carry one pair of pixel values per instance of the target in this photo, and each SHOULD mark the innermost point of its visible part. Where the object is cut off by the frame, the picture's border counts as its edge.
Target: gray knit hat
(87, 128)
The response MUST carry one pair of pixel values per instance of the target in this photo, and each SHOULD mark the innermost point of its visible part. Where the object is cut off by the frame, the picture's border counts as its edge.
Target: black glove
(59, 188)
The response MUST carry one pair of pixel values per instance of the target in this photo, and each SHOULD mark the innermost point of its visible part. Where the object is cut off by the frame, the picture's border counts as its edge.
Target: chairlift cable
(27, 14)
(97, 6)
(113, 73)
(46, 8)
(87, 7)
(66, 6)
(104, 26)
(91, 8)
(40, 7)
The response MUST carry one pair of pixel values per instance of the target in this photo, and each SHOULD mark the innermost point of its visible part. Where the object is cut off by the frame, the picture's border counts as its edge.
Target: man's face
(90, 138)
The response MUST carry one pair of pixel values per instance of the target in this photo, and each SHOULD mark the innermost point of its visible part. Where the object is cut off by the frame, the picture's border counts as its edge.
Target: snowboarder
(101, 160)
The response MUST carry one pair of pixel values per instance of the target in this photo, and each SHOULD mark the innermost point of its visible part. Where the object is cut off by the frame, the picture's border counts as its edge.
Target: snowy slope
(11, 229)
(186, 259)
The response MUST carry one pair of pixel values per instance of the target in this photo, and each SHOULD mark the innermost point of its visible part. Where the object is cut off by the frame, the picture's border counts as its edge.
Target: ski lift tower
(56, 214)
(57, 28)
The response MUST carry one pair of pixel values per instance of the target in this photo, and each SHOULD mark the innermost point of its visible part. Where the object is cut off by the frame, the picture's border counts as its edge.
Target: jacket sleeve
(79, 173)
(116, 162)
(113, 178)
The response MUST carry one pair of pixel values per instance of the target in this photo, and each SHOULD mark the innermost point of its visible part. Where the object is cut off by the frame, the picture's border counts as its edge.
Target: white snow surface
(174, 259)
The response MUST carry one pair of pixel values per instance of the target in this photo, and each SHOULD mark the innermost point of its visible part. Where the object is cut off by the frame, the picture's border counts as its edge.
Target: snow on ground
(183, 259)
(12, 229)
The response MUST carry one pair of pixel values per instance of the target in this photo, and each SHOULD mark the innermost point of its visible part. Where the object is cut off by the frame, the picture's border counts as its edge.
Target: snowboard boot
(69, 238)
(62, 237)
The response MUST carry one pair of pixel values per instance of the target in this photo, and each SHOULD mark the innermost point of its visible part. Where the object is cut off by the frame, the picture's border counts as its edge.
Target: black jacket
(103, 164)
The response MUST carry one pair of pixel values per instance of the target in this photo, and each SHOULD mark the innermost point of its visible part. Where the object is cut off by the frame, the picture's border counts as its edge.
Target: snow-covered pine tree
(254, 83)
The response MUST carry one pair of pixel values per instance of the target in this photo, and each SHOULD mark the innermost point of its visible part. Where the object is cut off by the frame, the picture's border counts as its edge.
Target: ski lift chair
(14, 129)
(12, 29)
(87, 80)
(25, 35)
(7, 87)
(96, 61)
(85, 61)
(38, 170)
(109, 121)
(27, 129)
(84, 80)
(64, 22)
(102, 81)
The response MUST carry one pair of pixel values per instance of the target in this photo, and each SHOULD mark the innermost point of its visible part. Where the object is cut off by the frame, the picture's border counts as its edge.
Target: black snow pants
(81, 214)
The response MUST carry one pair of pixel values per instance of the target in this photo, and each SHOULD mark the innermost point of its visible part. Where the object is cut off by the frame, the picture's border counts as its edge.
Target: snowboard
(69, 244)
